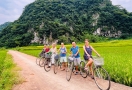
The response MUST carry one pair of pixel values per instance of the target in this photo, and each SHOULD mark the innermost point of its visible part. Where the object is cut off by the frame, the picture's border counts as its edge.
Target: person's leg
(62, 62)
(50, 63)
(91, 68)
(65, 62)
(90, 61)
(53, 60)
(78, 62)
(75, 64)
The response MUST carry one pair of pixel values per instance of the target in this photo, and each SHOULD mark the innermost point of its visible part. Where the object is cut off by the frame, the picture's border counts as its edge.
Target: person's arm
(59, 50)
(66, 50)
(95, 51)
(85, 51)
(71, 51)
(55, 50)
(77, 51)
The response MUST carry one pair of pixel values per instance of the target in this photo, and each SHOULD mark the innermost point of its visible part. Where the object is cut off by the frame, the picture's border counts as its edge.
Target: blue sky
(11, 10)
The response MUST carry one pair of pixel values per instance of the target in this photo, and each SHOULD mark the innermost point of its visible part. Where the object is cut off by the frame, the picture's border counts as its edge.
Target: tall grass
(117, 57)
(8, 76)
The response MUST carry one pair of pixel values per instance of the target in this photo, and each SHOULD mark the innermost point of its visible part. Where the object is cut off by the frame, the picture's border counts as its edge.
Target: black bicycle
(47, 62)
(101, 76)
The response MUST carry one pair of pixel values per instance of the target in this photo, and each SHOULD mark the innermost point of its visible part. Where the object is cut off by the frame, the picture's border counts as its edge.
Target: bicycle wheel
(69, 71)
(46, 65)
(56, 66)
(82, 69)
(41, 62)
(37, 60)
(102, 78)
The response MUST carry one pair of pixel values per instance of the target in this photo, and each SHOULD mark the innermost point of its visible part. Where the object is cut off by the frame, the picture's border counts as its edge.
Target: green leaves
(66, 18)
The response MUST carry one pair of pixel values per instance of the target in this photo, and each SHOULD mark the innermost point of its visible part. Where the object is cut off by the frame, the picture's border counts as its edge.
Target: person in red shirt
(47, 49)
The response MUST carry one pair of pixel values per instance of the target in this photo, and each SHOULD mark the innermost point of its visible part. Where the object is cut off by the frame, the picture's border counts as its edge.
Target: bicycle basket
(70, 59)
(57, 57)
(42, 54)
(47, 55)
(98, 61)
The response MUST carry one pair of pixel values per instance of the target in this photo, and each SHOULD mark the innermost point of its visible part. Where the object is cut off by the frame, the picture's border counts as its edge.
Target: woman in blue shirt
(88, 55)
(63, 59)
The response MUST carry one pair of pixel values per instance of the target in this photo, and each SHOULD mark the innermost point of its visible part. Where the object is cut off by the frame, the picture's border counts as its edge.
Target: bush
(92, 38)
(63, 39)
(123, 36)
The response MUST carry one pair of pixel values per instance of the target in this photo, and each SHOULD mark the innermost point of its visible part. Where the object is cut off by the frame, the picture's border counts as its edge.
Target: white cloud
(11, 10)
(124, 3)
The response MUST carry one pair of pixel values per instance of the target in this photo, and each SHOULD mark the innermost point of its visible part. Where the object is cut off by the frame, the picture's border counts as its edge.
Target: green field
(8, 75)
(117, 57)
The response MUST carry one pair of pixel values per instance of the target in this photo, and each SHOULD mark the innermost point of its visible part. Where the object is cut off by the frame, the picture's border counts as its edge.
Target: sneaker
(92, 76)
(48, 67)
(76, 73)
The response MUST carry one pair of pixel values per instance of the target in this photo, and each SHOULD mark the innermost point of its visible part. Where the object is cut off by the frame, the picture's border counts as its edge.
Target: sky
(11, 10)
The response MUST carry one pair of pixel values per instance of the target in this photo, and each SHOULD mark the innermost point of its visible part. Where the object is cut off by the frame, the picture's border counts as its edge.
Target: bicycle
(70, 67)
(47, 62)
(41, 61)
(101, 76)
(57, 64)
(39, 58)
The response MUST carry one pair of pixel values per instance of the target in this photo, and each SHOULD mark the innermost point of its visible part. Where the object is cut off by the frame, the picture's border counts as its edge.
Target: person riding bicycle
(88, 55)
(53, 50)
(63, 58)
(47, 49)
(75, 52)
(43, 51)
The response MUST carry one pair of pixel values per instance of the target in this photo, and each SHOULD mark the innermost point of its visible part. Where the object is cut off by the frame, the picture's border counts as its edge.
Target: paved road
(35, 78)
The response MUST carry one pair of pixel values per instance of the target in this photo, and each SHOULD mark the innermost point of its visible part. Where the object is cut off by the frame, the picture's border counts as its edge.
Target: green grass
(117, 56)
(8, 75)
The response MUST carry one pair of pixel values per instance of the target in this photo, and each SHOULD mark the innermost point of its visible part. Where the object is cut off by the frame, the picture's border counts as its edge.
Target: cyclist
(53, 50)
(88, 55)
(63, 59)
(47, 49)
(75, 52)
(43, 51)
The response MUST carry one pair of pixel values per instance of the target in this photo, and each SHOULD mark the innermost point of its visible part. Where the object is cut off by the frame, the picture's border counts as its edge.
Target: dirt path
(37, 79)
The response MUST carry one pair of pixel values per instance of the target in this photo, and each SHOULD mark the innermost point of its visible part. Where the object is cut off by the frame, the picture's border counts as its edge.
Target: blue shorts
(86, 57)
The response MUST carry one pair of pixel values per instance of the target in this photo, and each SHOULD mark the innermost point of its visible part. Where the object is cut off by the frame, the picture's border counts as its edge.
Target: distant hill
(2, 26)
(45, 21)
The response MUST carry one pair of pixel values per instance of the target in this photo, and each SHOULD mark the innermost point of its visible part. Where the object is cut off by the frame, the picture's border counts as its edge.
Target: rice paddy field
(117, 56)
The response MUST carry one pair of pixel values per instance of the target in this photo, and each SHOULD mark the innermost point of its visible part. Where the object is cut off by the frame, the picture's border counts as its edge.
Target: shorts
(63, 59)
(86, 57)
(77, 61)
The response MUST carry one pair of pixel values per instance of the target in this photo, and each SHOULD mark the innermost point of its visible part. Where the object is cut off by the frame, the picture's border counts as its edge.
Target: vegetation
(117, 56)
(2, 26)
(66, 20)
(8, 75)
